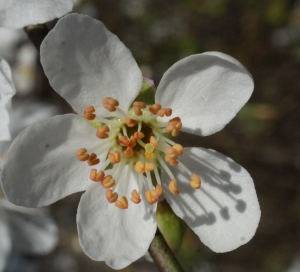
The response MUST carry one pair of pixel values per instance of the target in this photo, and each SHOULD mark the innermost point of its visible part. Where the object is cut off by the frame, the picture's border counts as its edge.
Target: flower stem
(36, 33)
(162, 255)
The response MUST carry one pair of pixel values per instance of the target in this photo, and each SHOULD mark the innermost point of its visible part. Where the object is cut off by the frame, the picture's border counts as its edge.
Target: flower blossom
(121, 147)
(25, 231)
(17, 14)
(7, 90)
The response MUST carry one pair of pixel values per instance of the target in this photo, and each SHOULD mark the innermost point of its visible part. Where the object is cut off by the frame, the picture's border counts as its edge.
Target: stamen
(149, 155)
(128, 152)
(153, 141)
(149, 198)
(135, 197)
(96, 176)
(165, 112)
(123, 141)
(81, 154)
(173, 187)
(139, 167)
(178, 148)
(155, 108)
(93, 160)
(122, 203)
(195, 181)
(138, 106)
(138, 135)
(132, 142)
(130, 122)
(111, 197)
(110, 104)
(102, 132)
(114, 157)
(174, 126)
(149, 166)
(89, 113)
(108, 182)
(157, 192)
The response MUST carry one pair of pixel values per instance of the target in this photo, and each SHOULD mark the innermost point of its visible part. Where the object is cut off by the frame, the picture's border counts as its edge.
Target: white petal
(5, 242)
(7, 90)
(86, 63)
(106, 233)
(224, 212)
(17, 14)
(32, 230)
(205, 91)
(42, 166)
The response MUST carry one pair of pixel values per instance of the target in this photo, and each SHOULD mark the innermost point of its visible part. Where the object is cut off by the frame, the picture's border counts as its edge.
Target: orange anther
(149, 198)
(135, 197)
(114, 157)
(149, 155)
(164, 112)
(149, 166)
(89, 113)
(139, 167)
(128, 152)
(110, 104)
(102, 132)
(130, 122)
(172, 162)
(174, 126)
(195, 181)
(173, 187)
(153, 141)
(81, 154)
(171, 153)
(178, 148)
(139, 135)
(132, 142)
(108, 182)
(155, 108)
(96, 176)
(110, 196)
(123, 140)
(93, 160)
(122, 203)
(157, 192)
(138, 106)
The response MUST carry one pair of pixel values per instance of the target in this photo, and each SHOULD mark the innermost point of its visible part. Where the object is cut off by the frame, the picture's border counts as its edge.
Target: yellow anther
(195, 181)
(171, 153)
(155, 108)
(149, 155)
(135, 197)
(110, 196)
(93, 160)
(173, 187)
(132, 142)
(128, 152)
(108, 182)
(102, 132)
(139, 135)
(89, 113)
(122, 203)
(174, 126)
(149, 148)
(96, 176)
(157, 192)
(164, 112)
(138, 106)
(123, 140)
(139, 167)
(114, 157)
(149, 166)
(130, 122)
(178, 148)
(81, 154)
(153, 141)
(110, 104)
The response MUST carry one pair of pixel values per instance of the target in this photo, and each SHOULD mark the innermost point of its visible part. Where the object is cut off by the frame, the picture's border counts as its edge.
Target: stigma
(140, 140)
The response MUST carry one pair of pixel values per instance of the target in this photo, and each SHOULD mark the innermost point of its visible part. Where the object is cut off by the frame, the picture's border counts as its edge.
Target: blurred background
(264, 137)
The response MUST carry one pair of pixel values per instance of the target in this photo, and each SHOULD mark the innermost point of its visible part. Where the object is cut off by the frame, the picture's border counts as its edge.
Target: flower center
(140, 141)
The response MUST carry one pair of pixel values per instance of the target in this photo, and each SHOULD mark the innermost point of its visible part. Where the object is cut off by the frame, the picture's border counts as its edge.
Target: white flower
(19, 13)
(7, 90)
(97, 75)
(25, 231)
